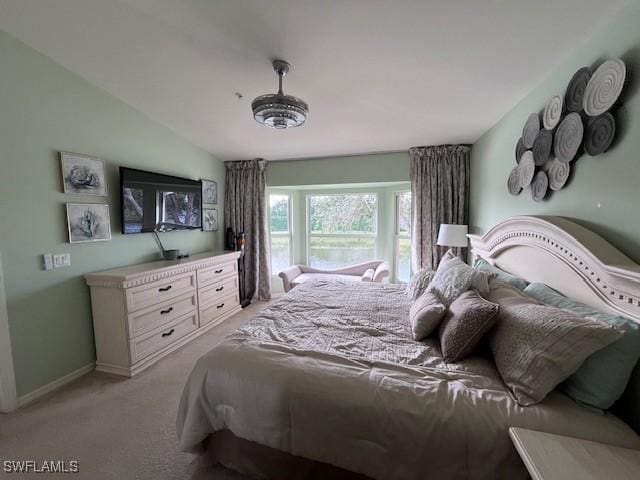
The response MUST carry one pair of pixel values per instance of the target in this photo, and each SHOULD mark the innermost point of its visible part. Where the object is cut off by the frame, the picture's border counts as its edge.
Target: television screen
(152, 200)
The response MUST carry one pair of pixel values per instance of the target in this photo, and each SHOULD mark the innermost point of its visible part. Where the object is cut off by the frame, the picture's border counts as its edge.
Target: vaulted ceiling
(378, 75)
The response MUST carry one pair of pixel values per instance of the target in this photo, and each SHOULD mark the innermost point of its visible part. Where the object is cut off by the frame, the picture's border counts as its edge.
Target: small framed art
(83, 175)
(209, 192)
(88, 222)
(210, 219)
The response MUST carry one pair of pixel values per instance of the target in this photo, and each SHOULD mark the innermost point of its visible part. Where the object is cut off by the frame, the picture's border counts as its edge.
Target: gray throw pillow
(535, 347)
(419, 283)
(454, 277)
(469, 317)
(603, 377)
(425, 315)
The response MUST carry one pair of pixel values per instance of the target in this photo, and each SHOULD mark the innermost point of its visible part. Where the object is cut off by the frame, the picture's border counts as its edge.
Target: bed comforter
(330, 372)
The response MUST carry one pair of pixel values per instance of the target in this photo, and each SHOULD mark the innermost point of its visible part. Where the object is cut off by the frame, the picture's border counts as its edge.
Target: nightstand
(555, 457)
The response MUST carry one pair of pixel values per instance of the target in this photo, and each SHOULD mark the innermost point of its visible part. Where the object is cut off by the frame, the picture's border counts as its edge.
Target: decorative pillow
(535, 347)
(425, 315)
(469, 317)
(603, 377)
(419, 283)
(512, 280)
(454, 277)
(448, 255)
(367, 276)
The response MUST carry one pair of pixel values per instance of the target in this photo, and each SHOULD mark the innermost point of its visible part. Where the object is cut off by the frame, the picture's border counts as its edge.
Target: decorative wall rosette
(530, 130)
(604, 87)
(557, 173)
(539, 186)
(552, 113)
(568, 137)
(599, 134)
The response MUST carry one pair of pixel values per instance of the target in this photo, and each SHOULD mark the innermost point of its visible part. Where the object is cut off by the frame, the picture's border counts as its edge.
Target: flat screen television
(153, 201)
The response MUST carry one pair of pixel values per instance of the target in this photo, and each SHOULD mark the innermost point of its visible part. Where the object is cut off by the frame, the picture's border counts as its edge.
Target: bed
(328, 379)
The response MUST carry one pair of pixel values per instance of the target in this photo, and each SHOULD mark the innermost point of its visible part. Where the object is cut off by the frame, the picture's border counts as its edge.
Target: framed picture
(209, 192)
(210, 219)
(88, 222)
(83, 175)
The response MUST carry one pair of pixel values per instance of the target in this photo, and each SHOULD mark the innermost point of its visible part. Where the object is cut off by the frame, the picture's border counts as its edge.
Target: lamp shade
(452, 235)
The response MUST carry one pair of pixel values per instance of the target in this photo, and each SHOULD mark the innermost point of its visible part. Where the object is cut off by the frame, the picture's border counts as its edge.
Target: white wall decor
(83, 175)
(580, 122)
(210, 219)
(209, 192)
(88, 222)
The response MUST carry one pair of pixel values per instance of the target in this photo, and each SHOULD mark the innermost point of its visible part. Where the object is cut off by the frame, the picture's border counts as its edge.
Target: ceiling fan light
(278, 110)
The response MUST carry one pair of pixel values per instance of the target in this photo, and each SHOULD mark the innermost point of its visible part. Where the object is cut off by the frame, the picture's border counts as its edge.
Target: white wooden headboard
(567, 257)
(575, 262)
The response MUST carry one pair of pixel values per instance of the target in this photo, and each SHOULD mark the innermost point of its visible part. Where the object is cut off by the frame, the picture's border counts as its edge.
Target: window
(280, 221)
(342, 229)
(402, 246)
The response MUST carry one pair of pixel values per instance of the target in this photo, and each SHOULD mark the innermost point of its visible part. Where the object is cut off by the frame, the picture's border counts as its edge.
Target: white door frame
(8, 396)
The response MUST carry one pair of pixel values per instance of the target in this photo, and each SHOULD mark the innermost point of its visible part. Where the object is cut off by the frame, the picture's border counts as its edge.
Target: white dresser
(143, 312)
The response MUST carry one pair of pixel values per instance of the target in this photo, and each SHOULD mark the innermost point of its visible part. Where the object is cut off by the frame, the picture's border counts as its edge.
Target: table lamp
(452, 235)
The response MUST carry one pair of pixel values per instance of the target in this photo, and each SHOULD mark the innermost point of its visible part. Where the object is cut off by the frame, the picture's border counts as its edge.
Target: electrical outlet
(61, 260)
(47, 259)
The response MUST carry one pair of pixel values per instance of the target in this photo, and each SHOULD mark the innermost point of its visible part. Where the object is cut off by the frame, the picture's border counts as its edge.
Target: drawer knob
(165, 289)
(220, 306)
(168, 310)
(220, 289)
(166, 334)
(219, 271)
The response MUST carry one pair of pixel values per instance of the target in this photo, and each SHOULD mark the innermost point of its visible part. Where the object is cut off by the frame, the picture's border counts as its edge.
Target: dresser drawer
(160, 290)
(147, 344)
(207, 276)
(217, 291)
(211, 312)
(153, 317)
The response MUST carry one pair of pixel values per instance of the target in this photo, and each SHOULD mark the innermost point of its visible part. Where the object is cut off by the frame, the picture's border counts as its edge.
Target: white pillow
(425, 315)
(367, 276)
(454, 277)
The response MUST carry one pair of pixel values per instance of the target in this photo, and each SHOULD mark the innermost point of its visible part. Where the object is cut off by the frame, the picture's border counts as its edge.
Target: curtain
(245, 210)
(439, 194)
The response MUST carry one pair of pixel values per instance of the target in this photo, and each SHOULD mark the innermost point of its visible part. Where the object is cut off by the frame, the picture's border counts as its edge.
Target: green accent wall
(355, 169)
(44, 108)
(604, 191)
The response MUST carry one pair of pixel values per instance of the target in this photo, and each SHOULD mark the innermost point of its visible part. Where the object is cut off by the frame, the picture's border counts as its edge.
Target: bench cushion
(305, 277)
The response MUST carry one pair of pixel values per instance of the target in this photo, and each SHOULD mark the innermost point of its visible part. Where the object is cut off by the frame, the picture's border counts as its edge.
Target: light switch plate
(47, 259)
(61, 260)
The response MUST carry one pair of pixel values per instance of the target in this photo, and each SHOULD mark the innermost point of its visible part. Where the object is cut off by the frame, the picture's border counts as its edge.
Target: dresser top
(123, 277)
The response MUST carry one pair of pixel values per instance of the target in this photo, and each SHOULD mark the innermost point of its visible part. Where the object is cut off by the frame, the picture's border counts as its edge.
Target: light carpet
(115, 428)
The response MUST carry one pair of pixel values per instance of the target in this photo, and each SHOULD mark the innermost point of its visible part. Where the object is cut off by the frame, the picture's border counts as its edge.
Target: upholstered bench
(374, 271)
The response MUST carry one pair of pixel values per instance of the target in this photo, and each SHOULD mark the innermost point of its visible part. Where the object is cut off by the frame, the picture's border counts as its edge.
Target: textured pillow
(419, 283)
(469, 317)
(603, 377)
(425, 315)
(535, 347)
(454, 277)
(484, 266)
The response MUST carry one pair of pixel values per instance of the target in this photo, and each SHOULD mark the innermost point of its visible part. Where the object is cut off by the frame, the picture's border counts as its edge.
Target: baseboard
(56, 384)
(113, 369)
